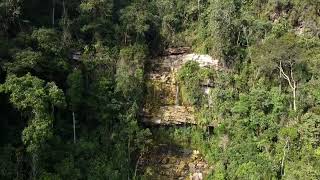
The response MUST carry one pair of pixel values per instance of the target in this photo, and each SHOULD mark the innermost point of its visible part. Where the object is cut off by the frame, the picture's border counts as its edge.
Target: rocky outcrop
(204, 60)
(163, 106)
(177, 51)
(172, 162)
(174, 62)
(171, 115)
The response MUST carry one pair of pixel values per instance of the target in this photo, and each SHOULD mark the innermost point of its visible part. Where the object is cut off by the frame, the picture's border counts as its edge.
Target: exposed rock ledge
(166, 161)
(175, 62)
(164, 89)
(170, 115)
(204, 60)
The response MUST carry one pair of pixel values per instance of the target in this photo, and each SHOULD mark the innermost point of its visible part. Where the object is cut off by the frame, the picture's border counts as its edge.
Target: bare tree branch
(285, 76)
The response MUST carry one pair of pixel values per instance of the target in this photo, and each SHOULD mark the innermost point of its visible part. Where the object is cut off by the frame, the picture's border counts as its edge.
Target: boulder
(165, 160)
(204, 60)
(196, 176)
(181, 166)
(192, 167)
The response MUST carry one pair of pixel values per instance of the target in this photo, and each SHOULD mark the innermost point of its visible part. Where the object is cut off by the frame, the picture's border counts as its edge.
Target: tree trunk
(64, 8)
(129, 154)
(74, 127)
(19, 164)
(292, 83)
(137, 164)
(286, 146)
(53, 11)
(199, 9)
(294, 92)
(34, 165)
(125, 37)
(52, 114)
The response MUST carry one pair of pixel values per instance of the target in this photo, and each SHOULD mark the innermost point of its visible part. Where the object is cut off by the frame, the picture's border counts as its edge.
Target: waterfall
(177, 95)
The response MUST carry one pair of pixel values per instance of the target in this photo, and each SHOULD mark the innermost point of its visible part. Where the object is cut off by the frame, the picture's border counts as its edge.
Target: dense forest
(72, 86)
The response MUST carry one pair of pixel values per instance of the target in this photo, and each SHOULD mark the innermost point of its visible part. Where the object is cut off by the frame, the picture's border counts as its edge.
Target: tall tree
(285, 56)
(33, 98)
(75, 95)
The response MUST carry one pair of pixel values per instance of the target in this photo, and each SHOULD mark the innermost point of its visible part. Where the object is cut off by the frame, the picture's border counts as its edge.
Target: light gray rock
(192, 167)
(196, 176)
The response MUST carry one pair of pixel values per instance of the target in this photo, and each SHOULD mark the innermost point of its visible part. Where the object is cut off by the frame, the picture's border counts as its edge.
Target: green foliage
(30, 95)
(189, 76)
(130, 72)
(25, 92)
(285, 50)
(67, 169)
(55, 94)
(281, 28)
(10, 11)
(135, 17)
(219, 173)
(37, 132)
(8, 164)
(48, 40)
(25, 60)
(95, 19)
(256, 135)
(76, 89)
(223, 27)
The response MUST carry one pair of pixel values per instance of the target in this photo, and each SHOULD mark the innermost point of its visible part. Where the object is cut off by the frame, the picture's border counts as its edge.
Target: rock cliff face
(163, 105)
(166, 162)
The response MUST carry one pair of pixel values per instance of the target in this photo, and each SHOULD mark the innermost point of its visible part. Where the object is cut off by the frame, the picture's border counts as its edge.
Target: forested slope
(72, 76)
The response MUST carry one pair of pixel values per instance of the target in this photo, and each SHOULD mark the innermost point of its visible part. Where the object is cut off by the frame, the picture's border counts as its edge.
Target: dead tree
(291, 81)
